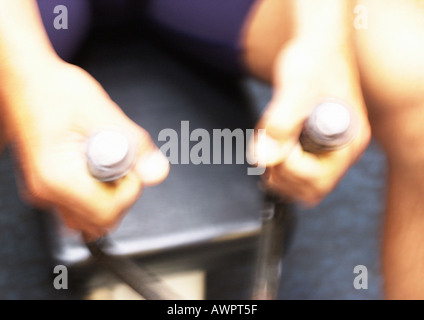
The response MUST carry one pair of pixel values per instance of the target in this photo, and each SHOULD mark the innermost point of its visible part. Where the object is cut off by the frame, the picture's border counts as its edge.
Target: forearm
(323, 52)
(324, 28)
(328, 22)
(23, 39)
(25, 54)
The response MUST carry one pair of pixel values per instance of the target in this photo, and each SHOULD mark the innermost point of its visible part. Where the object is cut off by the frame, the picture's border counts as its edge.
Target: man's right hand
(49, 121)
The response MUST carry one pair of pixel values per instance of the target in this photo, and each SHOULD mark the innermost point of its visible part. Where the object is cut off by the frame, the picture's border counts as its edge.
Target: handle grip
(111, 154)
(330, 126)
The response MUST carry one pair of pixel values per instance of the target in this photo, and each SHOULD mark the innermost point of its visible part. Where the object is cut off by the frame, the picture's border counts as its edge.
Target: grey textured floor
(329, 241)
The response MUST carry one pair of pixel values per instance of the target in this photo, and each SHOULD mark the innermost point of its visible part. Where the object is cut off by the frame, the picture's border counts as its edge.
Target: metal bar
(272, 243)
(145, 283)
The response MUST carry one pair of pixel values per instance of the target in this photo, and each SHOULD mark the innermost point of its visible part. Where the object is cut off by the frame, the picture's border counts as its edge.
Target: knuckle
(312, 195)
(142, 133)
(367, 134)
(143, 138)
(277, 127)
(130, 192)
(34, 191)
(298, 174)
(106, 217)
(108, 212)
(38, 183)
(321, 188)
(313, 201)
(304, 177)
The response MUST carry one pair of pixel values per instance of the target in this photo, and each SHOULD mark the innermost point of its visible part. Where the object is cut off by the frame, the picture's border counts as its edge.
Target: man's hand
(52, 120)
(318, 64)
(305, 75)
(49, 109)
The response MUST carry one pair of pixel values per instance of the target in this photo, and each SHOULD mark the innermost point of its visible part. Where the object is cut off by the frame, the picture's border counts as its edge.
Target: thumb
(264, 150)
(274, 140)
(152, 167)
(114, 150)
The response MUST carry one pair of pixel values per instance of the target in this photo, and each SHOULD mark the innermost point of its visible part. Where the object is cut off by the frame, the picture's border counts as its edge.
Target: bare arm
(23, 36)
(327, 25)
(25, 54)
(324, 20)
(49, 109)
(24, 45)
(317, 64)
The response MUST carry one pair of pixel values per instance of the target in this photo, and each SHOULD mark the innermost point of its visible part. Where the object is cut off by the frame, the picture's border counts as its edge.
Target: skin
(315, 53)
(387, 73)
(300, 80)
(47, 125)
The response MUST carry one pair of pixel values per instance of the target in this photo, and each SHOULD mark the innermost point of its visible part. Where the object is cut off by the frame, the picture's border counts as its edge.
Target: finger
(287, 191)
(75, 221)
(32, 199)
(150, 164)
(292, 190)
(304, 166)
(310, 176)
(96, 219)
(117, 199)
(152, 167)
(283, 125)
(72, 186)
(287, 184)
